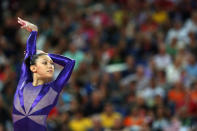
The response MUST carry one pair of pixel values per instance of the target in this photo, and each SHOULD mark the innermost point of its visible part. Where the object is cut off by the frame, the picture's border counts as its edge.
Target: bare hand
(27, 25)
(37, 52)
(40, 51)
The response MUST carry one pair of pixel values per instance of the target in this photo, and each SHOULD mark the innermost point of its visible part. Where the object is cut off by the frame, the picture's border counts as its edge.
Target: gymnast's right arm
(30, 48)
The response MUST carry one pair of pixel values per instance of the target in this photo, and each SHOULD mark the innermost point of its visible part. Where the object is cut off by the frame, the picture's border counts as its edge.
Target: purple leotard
(32, 104)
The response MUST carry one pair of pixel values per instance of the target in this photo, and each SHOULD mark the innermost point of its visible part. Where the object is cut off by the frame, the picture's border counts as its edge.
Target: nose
(50, 66)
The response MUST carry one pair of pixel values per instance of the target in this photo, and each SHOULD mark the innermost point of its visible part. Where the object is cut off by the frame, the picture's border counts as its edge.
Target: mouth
(50, 71)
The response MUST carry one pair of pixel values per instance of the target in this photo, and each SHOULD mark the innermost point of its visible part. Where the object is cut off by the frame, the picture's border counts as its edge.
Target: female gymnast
(36, 93)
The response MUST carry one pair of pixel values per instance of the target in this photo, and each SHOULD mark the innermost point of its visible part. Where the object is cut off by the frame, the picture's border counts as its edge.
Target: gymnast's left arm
(66, 72)
(30, 47)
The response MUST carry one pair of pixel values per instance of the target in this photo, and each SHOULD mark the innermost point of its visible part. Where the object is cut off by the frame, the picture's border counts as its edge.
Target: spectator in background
(63, 122)
(94, 105)
(130, 61)
(150, 69)
(176, 95)
(192, 47)
(109, 116)
(99, 17)
(161, 79)
(150, 92)
(174, 125)
(149, 25)
(191, 67)
(193, 100)
(134, 120)
(74, 54)
(162, 59)
(160, 121)
(119, 125)
(96, 124)
(175, 32)
(138, 76)
(174, 70)
(80, 123)
(160, 15)
(190, 26)
(194, 92)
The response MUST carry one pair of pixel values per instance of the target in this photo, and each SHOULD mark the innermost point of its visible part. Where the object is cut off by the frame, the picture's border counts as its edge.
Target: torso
(32, 105)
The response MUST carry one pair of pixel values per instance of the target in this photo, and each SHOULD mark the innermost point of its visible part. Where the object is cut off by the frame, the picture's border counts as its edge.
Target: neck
(37, 81)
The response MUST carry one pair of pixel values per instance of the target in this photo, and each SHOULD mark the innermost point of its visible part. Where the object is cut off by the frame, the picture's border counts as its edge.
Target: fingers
(40, 51)
(22, 22)
(19, 18)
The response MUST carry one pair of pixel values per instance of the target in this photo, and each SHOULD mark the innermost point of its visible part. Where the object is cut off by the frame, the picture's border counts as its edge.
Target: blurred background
(136, 62)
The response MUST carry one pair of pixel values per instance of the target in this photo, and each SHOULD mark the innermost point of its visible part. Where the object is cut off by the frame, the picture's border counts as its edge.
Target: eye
(45, 63)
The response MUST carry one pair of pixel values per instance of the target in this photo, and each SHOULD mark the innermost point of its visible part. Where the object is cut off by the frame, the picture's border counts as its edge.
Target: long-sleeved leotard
(32, 104)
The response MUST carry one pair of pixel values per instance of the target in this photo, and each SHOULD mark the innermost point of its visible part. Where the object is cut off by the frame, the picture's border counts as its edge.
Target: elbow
(70, 63)
(73, 62)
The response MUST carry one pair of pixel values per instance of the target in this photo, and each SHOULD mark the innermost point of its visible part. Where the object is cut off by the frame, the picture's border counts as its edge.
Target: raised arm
(65, 74)
(30, 47)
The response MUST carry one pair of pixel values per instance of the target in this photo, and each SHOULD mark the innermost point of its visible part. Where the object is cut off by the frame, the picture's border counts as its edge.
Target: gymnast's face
(43, 67)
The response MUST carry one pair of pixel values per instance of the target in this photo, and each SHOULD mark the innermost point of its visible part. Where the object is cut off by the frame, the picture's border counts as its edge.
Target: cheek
(41, 69)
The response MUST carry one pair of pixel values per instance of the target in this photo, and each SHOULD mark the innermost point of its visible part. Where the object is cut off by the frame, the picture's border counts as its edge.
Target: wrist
(34, 28)
(31, 27)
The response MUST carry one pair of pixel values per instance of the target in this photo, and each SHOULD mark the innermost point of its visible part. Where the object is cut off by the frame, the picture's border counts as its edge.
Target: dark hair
(32, 60)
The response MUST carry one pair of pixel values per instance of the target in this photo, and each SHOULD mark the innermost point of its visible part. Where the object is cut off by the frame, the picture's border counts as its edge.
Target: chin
(48, 78)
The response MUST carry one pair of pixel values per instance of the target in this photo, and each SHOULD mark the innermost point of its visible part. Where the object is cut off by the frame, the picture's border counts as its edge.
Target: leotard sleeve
(29, 52)
(65, 74)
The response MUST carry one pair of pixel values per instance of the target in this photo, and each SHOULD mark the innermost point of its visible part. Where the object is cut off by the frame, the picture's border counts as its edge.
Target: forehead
(44, 57)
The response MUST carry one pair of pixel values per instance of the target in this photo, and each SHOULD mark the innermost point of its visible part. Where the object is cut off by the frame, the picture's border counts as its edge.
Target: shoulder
(51, 85)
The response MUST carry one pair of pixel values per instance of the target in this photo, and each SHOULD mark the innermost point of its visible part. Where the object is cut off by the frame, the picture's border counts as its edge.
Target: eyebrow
(47, 60)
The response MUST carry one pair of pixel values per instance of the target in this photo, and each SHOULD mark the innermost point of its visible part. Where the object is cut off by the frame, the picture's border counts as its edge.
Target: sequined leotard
(32, 104)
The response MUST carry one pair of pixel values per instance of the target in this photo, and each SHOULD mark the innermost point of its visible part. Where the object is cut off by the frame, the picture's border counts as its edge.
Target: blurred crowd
(136, 62)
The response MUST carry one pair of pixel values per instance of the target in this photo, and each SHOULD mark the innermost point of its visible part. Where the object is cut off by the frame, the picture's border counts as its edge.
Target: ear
(33, 68)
